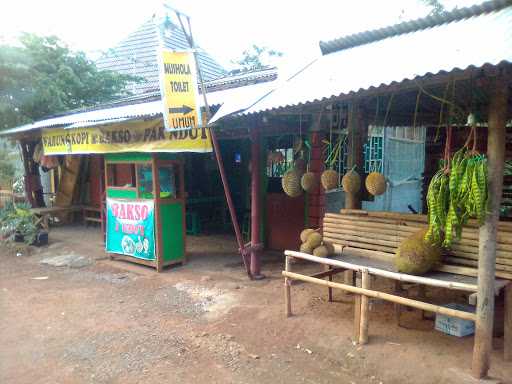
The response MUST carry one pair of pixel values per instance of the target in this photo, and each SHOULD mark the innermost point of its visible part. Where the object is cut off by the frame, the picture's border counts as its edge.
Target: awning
(472, 37)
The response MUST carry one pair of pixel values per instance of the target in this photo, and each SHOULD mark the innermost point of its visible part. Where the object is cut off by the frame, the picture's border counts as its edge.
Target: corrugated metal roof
(145, 109)
(411, 26)
(482, 39)
(137, 55)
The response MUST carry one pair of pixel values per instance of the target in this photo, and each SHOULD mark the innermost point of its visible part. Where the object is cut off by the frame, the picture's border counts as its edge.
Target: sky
(224, 28)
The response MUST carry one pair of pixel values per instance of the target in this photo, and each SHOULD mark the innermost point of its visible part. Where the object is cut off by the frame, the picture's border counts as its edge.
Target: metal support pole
(488, 232)
(255, 205)
(216, 149)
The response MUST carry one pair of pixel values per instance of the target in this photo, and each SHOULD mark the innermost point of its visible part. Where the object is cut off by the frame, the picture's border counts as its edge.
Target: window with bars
(279, 161)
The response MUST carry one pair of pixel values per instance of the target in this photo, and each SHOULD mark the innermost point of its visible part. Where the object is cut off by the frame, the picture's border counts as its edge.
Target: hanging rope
(441, 111)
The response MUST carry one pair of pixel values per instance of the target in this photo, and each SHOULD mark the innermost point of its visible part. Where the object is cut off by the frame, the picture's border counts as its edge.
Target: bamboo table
(366, 267)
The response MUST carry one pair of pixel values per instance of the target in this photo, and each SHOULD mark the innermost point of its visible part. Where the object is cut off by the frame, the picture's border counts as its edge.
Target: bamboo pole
(387, 274)
(357, 309)
(255, 265)
(487, 250)
(385, 296)
(287, 290)
(365, 308)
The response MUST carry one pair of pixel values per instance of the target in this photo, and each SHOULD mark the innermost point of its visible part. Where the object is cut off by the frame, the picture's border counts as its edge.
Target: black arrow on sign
(184, 109)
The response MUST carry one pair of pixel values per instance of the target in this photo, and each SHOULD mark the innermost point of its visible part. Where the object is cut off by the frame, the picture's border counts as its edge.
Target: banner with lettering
(130, 228)
(140, 136)
(178, 86)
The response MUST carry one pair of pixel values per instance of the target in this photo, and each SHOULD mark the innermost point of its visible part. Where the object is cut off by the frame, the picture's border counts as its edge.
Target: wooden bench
(45, 214)
(91, 214)
(365, 243)
(378, 234)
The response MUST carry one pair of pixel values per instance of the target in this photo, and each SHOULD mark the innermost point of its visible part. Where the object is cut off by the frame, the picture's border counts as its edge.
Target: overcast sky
(222, 27)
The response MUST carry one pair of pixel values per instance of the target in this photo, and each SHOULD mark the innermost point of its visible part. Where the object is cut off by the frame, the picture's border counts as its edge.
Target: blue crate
(454, 326)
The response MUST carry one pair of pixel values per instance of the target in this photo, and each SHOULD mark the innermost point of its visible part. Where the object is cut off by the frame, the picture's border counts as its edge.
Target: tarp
(138, 136)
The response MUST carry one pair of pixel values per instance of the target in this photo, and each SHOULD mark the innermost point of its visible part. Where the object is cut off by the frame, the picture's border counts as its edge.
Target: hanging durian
(291, 183)
(329, 179)
(351, 182)
(376, 183)
(309, 181)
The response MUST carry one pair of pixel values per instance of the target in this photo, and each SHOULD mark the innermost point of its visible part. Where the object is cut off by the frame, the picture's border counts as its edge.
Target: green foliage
(7, 169)
(508, 168)
(254, 57)
(456, 194)
(17, 220)
(436, 8)
(43, 76)
(10, 164)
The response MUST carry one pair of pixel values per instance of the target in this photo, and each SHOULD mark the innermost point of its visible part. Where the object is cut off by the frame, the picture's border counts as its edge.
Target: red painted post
(255, 205)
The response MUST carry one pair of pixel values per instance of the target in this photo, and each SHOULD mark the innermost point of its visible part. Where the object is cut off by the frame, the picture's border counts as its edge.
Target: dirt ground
(205, 322)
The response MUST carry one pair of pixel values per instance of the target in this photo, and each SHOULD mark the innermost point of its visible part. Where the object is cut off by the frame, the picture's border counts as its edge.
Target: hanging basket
(351, 182)
(376, 183)
(309, 181)
(291, 183)
(329, 179)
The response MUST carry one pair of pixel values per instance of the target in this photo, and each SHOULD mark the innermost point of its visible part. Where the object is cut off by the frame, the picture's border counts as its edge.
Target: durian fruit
(351, 182)
(305, 233)
(329, 179)
(376, 183)
(329, 246)
(291, 183)
(415, 255)
(306, 248)
(314, 239)
(309, 181)
(321, 251)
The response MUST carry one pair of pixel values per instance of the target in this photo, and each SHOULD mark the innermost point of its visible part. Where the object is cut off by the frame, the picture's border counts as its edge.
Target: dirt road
(103, 321)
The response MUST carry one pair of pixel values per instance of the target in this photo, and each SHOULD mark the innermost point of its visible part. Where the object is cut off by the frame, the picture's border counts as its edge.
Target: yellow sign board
(140, 136)
(178, 86)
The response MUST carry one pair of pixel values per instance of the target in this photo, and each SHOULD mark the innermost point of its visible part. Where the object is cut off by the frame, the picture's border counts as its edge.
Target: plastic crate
(454, 326)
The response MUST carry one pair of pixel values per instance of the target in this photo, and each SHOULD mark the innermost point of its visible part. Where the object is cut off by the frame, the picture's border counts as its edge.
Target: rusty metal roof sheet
(141, 109)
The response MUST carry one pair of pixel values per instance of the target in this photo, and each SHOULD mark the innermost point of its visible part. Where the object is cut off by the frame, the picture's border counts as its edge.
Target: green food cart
(143, 226)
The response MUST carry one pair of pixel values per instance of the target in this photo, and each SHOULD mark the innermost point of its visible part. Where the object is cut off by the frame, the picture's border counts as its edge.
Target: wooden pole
(159, 257)
(287, 289)
(488, 232)
(357, 311)
(255, 205)
(507, 328)
(365, 308)
(357, 134)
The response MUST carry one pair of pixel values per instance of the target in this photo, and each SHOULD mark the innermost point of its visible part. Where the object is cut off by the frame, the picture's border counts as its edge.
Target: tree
(254, 57)
(42, 76)
(436, 8)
